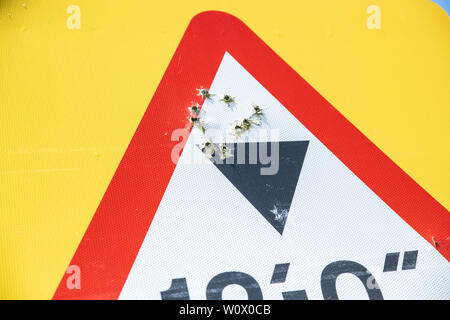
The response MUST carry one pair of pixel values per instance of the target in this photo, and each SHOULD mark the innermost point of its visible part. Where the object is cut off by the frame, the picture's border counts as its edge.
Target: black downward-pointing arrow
(270, 194)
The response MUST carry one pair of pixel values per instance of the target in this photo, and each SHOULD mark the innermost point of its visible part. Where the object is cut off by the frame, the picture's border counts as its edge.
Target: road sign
(336, 219)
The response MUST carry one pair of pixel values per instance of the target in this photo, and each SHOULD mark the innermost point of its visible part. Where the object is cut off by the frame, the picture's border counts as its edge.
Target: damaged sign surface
(271, 191)
(315, 211)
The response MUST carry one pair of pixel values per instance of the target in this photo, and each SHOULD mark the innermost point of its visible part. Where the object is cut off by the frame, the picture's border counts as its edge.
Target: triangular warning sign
(269, 192)
(177, 229)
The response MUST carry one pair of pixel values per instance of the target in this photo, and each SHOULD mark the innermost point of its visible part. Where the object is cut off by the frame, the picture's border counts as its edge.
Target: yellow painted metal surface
(71, 99)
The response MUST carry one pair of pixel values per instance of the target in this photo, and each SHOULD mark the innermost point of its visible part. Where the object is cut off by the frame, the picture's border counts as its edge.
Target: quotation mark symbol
(392, 259)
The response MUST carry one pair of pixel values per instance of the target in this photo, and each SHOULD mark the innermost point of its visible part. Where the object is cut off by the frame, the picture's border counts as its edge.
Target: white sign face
(208, 240)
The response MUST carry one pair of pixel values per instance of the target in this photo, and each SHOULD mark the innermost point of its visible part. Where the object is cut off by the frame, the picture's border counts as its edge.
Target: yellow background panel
(70, 101)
